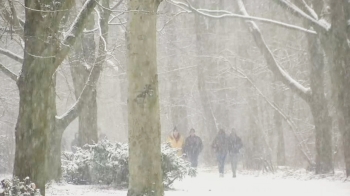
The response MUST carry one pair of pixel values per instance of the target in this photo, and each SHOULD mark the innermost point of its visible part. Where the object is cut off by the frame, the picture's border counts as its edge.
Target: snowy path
(209, 184)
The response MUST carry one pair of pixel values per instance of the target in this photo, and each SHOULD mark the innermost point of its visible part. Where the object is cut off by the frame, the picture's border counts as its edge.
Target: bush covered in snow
(15, 187)
(107, 163)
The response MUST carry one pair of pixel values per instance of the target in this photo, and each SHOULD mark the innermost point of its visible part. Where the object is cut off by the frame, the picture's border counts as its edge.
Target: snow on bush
(15, 187)
(107, 163)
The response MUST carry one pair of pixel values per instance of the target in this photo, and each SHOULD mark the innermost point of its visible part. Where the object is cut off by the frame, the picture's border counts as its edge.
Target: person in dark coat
(234, 145)
(193, 147)
(220, 145)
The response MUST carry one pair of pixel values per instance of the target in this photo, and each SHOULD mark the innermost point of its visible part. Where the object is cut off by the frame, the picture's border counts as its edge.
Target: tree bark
(280, 152)
(36, 86)
(319, 108)
(36, 123)
(145, 176)
(253, 143)
(334, 39)
(314, 97)
(81, 63)
(338, 50)
(84, 97)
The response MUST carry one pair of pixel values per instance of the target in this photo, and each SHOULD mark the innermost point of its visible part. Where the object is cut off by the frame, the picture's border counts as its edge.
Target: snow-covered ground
(208, 183)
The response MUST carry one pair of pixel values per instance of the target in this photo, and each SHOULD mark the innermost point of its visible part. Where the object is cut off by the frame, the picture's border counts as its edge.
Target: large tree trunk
(319, 108)
(145, 176)
(338, 52)
(318, 101)
(36, 124)
(334, 39)
(37, 107)
(36, 114)
(315, 98)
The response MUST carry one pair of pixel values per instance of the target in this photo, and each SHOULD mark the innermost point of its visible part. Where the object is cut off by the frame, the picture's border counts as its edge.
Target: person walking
(176, 141)
(234, 145)
(220, 146)
(193, 147)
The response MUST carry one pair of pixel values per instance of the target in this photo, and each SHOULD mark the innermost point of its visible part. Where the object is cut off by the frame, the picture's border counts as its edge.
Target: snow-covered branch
(323, 25)
(309, 9)
(63, 121)
(11, 55)
(303, 92)
(218, 14)
(75, 30)
(117, 4)
(8, 72)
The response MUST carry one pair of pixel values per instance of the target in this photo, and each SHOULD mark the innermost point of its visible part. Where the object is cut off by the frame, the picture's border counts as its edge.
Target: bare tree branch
(11, 55)
(303, 92)
(63, 121)
(226, 14)
(8, 72)
(302, 146)
(14, 20)
(310, 10)
(323, 25)
(5, 30)
(117, 4)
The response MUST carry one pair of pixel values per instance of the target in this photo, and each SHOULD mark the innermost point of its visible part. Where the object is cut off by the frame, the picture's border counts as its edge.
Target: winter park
(174, 97)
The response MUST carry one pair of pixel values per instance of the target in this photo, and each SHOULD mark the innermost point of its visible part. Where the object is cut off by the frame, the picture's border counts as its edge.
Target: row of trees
(51, 32)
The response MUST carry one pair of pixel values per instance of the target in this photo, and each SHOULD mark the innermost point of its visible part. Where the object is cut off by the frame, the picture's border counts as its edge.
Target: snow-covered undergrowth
(17, 187)
(107, 163)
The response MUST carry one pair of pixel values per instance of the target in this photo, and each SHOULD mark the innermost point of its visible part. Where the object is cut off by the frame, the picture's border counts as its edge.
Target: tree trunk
(54, 169)
(334, 39)
(37, 109)
(36, 124)
(319, 108)
(37, 106)
(36, 117)
(315, 98)
(145, 176)
(280, 152)
(338, 52)
(86, 99)
(81, 63)
(253, 145)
